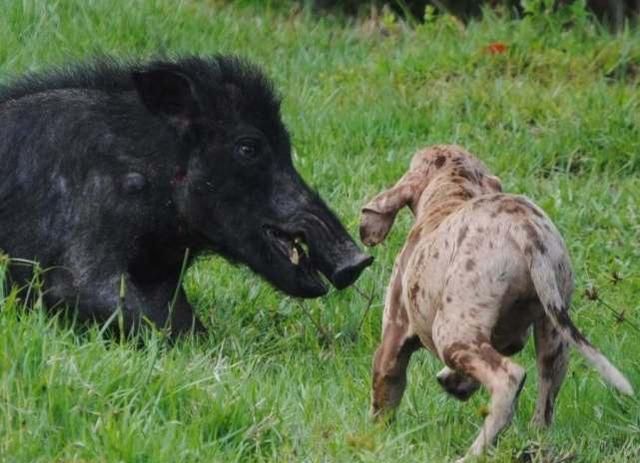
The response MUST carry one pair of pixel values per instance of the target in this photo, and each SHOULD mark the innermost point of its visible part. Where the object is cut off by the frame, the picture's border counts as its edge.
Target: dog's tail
(544, 280)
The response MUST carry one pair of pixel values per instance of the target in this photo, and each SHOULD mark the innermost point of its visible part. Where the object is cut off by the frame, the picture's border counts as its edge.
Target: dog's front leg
(390, 369)
(391, 360)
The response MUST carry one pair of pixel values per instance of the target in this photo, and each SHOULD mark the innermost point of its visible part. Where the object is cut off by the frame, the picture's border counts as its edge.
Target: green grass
(557, 117)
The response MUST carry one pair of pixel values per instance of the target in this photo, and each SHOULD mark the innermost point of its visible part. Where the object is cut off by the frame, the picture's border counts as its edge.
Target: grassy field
(556, 116)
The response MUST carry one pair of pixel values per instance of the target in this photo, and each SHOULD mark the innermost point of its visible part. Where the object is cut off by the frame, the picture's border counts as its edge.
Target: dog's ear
(379, 214)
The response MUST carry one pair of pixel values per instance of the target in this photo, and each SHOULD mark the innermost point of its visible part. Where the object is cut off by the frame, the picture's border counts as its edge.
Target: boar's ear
(168, 92)
(379, 214)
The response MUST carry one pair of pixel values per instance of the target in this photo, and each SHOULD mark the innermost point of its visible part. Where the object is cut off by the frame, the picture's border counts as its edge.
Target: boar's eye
(247, 149)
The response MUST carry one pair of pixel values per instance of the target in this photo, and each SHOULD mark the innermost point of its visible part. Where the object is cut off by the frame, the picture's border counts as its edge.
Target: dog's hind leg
(457, 384)
(552, 353)
(502, 377)
(390, 368)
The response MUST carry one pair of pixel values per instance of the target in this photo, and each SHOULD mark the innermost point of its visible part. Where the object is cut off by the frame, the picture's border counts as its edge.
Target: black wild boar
(110, 172)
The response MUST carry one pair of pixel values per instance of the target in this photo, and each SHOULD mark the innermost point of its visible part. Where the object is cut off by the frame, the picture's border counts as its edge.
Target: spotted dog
(478, 269)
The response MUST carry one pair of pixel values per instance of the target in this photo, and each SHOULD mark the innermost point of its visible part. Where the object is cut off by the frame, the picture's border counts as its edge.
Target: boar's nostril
(349, 273)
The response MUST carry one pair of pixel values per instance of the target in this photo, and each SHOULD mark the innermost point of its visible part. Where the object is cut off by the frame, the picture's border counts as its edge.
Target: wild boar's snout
(334, 252)
(347, 273)
(331, 249)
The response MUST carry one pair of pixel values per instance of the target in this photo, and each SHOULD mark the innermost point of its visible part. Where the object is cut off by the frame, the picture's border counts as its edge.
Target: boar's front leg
(163, 304)
(97, 298)
(171, 308)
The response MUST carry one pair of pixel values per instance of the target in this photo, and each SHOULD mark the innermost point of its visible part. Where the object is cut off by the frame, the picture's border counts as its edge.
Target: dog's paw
(382, 416)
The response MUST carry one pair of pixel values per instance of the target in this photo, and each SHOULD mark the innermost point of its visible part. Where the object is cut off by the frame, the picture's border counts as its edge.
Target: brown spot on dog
(510, 206)
(533, 235)
(462, 235)
(464, 173)
(452, 354)
(490, 356)
(490, 244)
(436, 254)
(448, 299)
(464, 361)
(473, 176)
(470, 265)
(463, 194)
(413, 293)
(439, 162)
(480, 202)
(444, 209)
(396, 311)
(529, 206)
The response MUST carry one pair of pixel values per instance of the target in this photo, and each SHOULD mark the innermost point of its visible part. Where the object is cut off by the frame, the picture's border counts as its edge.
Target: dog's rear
(478, 269)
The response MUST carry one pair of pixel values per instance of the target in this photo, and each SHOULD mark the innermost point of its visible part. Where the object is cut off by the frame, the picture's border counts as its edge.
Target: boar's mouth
(292, 252)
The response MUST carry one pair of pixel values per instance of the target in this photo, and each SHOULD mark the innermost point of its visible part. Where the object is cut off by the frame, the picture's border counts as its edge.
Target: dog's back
(475, 268)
